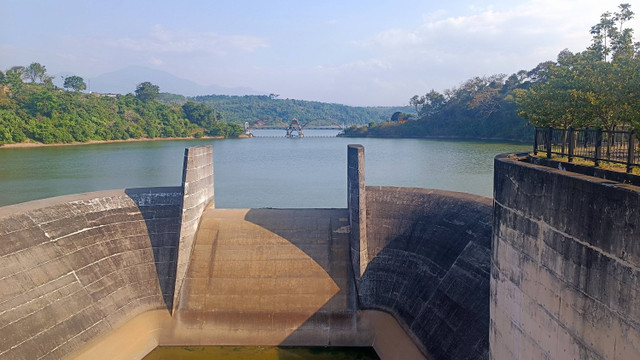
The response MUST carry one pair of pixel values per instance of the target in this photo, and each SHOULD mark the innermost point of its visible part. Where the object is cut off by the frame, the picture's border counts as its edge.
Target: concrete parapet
(357, 205)
(76, 267)
(197, 190)
(566, 264)
(429, 267)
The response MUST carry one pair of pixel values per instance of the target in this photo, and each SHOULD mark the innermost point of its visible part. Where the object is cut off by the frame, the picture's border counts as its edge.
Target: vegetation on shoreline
(481, 108)
(34, 110)
(595, 88)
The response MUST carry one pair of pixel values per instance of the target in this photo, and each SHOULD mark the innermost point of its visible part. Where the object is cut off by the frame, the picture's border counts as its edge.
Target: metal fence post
(548, 141)
(535, 142)
(598, 153)
(632, 146)
(572, 140)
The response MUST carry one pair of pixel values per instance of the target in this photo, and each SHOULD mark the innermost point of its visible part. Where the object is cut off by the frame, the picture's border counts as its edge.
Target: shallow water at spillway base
(261, 353)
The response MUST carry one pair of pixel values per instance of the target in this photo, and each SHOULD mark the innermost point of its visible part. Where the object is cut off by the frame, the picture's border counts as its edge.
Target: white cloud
(155, 61)
(445, 50)
(161, 40)
(358, 65)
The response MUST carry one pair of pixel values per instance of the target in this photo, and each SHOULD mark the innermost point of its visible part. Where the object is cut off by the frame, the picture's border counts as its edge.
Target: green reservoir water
(261, 353)
(257, 172)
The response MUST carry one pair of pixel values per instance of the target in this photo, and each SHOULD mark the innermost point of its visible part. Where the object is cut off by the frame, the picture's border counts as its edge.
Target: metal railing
(593, 144)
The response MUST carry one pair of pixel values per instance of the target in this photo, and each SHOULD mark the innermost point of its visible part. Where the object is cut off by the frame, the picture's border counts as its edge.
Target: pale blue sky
(350, 52)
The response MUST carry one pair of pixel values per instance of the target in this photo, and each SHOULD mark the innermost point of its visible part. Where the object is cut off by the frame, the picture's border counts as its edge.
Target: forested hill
(36, 111)
(239, 109)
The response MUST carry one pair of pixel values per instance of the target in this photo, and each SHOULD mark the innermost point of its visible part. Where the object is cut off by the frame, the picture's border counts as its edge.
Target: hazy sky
(351, 52)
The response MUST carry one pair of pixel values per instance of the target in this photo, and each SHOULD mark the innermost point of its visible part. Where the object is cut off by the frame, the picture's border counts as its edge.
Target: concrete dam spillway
(415, 273)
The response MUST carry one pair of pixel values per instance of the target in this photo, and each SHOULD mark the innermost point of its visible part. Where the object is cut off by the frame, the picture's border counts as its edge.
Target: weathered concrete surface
(357, 205)
(133, 340)
(429, 267)
(391, 341)
(100, 276)
(270, 277)
(264, 277)
(197, 190)
(76, 267)
(566, 265)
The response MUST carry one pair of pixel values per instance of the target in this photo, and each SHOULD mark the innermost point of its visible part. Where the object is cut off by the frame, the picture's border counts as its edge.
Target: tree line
(599, 87)
(250, 108)
(480, 108)
(33, 109)
(596, 88)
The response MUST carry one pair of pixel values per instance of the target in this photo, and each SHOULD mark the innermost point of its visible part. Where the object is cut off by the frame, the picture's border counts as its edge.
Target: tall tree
(146, 91)
(601, 33)
(428, 104)
(622, 39)
(35, 72)
(74, 82)
(587, 89)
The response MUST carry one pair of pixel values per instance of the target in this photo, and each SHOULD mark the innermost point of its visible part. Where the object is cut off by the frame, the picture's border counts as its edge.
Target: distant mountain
(125, 80)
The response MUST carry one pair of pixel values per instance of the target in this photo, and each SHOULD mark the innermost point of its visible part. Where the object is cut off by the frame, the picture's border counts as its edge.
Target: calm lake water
(257, 172)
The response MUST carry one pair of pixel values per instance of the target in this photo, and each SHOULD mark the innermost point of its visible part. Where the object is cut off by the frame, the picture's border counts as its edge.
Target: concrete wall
(566, 265)
(429, 267)
(197, 187)
(424, 257)
(76, 267)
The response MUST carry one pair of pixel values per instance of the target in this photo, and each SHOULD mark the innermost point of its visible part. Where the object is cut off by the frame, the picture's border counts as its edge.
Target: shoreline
(442, 137)
(27, 145)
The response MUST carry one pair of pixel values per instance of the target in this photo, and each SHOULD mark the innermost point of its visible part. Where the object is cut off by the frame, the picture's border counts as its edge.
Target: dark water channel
(257, 172)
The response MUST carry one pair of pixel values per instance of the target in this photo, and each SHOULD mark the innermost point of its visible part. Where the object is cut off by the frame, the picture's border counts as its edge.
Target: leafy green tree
(146, 91)
(540, 73)
(13, 76)
(16, 70)
(74, 82)
(622, 38)
(428, 104)
(586, 89)
(400, 116)
(35, 72)
(199, 113)
(397, 116)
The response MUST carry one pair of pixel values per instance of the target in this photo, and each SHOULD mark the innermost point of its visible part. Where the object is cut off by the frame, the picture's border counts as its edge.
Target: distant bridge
(293, 130)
